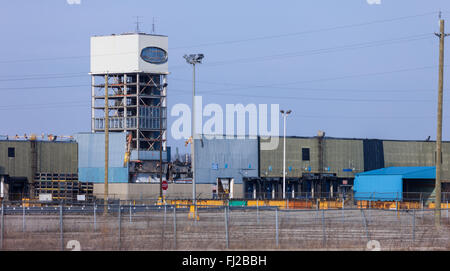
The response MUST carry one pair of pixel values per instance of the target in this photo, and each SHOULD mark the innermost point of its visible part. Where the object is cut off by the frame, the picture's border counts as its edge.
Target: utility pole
(437, 211)
(160, 152)
(106, 145)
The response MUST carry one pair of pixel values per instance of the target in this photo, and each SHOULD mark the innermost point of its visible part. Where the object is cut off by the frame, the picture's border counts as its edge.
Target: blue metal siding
(91, 157)
(97, 175)
(91, 149)
(378, 187)
(386, 184)
(225, 158)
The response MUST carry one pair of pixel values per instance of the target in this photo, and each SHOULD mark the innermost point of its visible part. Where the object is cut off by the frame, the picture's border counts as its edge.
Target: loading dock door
(225, 188)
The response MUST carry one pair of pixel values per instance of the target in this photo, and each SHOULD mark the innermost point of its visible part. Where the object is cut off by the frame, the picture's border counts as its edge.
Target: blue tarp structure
(386, 184)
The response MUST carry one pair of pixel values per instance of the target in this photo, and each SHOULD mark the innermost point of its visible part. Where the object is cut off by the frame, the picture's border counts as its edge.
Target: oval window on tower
(154, 55)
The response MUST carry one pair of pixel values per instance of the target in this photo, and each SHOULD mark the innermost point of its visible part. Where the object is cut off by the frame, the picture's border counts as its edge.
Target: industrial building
(396, 184)
(129, 103)
(316, 167)
(222, 166)
(24, 164)
(129, 87)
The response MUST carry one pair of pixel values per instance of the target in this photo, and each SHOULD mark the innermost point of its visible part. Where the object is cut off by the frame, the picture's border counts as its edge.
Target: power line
(42, 105)
(42, 78)
(279, 86)
(323, 51)
(234, 41)
(286, 55)
(43, 87)
(360, 90)
(263, 58)
(307, 32)
(40, 75)
(364, 117)
(322, 99)
(283, 85)
(43, 108)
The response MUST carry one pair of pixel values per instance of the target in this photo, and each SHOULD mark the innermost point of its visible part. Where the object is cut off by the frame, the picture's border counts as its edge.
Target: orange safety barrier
(255, 203)
(330, 204)
(432, 205)
(277, 203)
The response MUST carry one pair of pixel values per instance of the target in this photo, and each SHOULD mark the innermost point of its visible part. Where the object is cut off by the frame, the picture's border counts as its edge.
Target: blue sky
(345, 67)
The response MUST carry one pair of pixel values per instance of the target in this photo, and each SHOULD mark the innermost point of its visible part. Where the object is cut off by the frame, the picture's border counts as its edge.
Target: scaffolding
(137, 105)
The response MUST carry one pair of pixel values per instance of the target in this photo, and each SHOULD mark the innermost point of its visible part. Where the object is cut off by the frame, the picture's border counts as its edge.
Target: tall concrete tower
(136, 65)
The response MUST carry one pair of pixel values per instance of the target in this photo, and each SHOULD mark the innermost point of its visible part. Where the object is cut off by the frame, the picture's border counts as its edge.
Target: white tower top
(129, 53)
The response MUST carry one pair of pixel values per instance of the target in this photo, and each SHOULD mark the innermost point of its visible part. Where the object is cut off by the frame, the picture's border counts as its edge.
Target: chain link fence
(168, 227)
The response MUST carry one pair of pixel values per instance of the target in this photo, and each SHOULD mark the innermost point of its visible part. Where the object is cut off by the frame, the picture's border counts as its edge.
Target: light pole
(193, 59)
(284, 150)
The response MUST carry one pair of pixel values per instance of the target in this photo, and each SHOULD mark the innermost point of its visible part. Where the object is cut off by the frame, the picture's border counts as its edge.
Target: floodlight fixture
(194, 58)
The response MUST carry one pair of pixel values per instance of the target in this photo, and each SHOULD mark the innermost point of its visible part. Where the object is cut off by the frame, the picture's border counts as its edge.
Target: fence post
(257, 211)
(276, 227)
(447, 211)
(95, 217)
(226, 226)
(414, 225)
(130, 213)
(120, 226)
(165, 211)
(61, 229)
(363, 216)
(23, 218)
(175, 227)
(324, 238)
(422, 207)
(3, 227)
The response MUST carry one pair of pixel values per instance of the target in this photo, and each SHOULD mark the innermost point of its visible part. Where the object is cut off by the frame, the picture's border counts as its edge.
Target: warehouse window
(11, 152)
(305, 154)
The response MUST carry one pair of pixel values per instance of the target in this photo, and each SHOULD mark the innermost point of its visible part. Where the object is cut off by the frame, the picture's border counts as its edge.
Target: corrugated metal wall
(52, 157)
(91, 153)
(271, 161)
(57, 157)
(227, 158)
(338, 154)
(373, 154)
(20, 165)
(416, 154)
(342, 155)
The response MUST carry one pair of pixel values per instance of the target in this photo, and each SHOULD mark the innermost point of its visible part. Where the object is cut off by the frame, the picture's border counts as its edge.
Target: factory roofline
(130, 33)
(342, 138)
(39, 140)
(327, 137)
